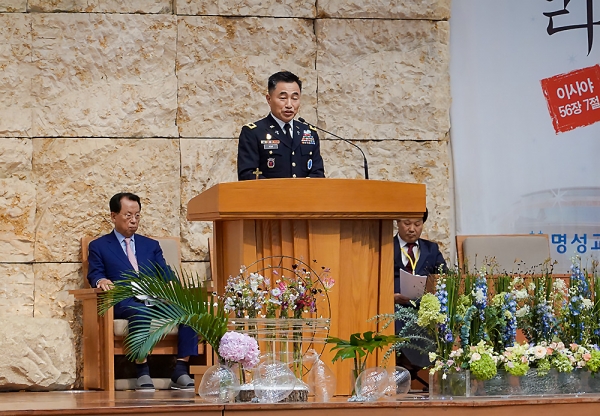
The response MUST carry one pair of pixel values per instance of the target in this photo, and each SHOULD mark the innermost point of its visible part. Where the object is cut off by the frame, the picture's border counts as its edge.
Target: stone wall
(148, 96)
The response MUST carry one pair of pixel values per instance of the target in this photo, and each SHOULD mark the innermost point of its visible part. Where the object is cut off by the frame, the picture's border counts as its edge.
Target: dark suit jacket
(430, 259)
(108, 260)
(265, 146)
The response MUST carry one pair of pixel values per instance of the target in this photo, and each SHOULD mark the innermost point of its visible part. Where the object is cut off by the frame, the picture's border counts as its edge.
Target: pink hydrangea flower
(239, 348)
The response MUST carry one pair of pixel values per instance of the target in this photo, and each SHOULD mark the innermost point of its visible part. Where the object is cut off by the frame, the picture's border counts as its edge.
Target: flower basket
(454, 384)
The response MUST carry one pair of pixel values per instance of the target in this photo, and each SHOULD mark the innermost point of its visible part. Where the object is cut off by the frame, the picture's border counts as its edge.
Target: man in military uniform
(279, 146)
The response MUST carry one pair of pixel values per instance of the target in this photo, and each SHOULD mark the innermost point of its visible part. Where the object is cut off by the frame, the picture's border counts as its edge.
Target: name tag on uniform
(270, 144)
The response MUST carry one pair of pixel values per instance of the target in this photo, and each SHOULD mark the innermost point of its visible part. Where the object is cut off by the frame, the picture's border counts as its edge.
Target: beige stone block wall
(148, 96)
(16, 71)
(393, 74)
(385, 9)
(223, 65)
(104, 75)
(275, 8)
(76, 178)
(13, 6)
(17, 290)
(101, 6)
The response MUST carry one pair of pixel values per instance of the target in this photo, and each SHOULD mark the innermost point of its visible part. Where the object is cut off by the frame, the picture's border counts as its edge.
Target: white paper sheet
(412, 286)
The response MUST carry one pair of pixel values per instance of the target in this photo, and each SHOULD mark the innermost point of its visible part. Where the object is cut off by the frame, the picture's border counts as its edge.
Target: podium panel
(352, 234)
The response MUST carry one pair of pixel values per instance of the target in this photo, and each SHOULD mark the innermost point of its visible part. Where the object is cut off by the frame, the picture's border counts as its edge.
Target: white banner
(513, 172)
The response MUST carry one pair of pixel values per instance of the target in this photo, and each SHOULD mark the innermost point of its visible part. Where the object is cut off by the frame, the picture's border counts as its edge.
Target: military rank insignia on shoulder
(250, 126)
(312, 127)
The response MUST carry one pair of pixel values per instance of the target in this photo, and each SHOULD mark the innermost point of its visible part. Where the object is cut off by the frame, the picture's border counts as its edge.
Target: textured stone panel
(102, 75)
(16, 71)
(37, 354)
(77, 177)
(223, 65)
(204, 163)
(385, 9)
(12, 6)
(402, 161)
(197, 270)
(17, 220)
(52, 284)
(16, 290)
(384, 79)
(101, 6)
(15, 158)
(274, 8)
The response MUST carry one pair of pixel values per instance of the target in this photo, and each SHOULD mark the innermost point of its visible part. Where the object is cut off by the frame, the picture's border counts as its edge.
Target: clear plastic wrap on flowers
(273, 381)
(372, 383)
(219, 384)
(321, 380)
(399, 383)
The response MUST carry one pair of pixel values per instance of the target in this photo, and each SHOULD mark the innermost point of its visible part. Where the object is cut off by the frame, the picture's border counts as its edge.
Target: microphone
(346, 140)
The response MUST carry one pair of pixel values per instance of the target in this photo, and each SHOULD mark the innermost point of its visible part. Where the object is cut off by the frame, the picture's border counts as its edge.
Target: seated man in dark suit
(420, 257)
(123, 251)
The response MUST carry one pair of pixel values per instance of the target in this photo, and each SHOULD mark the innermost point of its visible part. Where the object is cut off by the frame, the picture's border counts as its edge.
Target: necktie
(411, 257)
(287, 131)
(130, 254)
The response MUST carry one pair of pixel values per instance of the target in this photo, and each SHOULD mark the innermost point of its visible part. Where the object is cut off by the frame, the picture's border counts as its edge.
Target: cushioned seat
(508, 253)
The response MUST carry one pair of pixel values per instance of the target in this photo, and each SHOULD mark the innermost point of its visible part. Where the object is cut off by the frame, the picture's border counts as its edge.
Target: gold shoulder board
(250, 125)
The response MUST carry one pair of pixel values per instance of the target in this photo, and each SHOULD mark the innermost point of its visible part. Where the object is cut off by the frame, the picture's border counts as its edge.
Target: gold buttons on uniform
(310, 153)
(293, 153)
(294, 164)
(270, 152)
(294, 175)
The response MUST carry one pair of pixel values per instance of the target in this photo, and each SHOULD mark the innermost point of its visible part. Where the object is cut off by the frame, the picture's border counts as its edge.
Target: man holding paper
(414, 260)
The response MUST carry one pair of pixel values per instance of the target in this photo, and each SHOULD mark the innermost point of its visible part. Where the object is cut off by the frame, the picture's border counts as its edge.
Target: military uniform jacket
(265, 146)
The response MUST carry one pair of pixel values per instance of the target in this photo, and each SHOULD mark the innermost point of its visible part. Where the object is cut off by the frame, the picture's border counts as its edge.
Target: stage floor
(187, 403)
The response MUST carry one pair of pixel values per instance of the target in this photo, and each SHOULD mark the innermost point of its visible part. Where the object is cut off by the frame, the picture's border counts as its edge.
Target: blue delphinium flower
(479, 294)
(442, 295)
(509, 310)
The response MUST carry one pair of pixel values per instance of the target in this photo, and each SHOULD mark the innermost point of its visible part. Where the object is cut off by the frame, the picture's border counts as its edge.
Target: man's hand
(104, 284)
(400, 299)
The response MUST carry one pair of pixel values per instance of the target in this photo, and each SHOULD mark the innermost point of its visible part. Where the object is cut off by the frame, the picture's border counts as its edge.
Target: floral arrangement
(474, 320)
(288, 292)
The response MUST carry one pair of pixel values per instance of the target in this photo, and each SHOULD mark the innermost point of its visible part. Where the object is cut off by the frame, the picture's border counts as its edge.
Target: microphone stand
(366, 166)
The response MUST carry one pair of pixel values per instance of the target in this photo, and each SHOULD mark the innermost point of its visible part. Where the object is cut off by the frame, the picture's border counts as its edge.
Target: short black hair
(425, 214)
(283, 76)
(115, 201)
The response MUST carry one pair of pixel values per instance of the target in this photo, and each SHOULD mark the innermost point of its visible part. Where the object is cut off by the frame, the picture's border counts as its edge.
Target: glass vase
(593, 383)
(572, 383)
(502, 384)
(449, 385)
(220, 384)
(534, 384)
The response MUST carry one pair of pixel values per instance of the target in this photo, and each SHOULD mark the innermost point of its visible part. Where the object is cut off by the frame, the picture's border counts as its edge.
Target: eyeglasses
(129, 216)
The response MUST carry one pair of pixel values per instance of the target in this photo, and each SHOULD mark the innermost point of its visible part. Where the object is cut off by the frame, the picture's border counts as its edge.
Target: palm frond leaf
(176, 300)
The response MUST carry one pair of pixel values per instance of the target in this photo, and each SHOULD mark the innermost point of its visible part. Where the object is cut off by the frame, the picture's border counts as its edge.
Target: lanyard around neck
(413, 263)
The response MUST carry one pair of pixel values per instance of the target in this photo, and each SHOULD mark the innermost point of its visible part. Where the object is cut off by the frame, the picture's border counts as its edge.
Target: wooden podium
(343, 224)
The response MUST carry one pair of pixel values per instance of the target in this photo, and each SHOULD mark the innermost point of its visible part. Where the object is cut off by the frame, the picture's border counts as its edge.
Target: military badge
(309, 164)
(271, 162)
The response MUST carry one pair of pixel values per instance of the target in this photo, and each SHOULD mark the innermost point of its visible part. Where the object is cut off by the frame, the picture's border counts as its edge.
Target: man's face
(126, 222)
(284, 100)
(410, 230)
